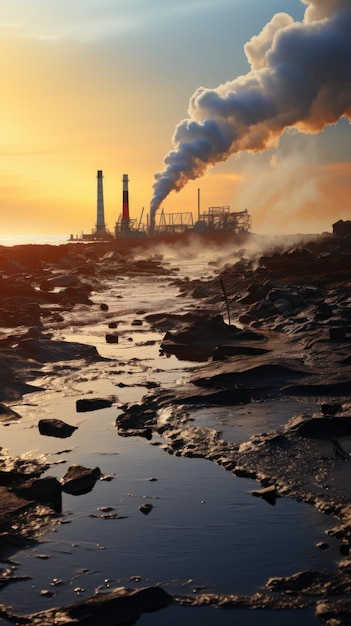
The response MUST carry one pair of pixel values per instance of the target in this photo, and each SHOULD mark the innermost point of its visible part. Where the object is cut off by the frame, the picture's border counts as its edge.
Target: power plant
(217, 220)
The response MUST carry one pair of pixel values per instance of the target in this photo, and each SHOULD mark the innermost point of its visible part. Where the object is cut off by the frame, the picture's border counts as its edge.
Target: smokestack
(125, 210)
(300, 78)
(125, 224)
(100, 217)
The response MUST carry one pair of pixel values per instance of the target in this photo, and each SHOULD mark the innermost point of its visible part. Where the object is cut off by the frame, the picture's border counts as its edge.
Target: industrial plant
(216, 220)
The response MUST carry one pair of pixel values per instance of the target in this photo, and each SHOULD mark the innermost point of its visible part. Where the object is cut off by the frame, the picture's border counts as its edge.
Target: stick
(226, 300)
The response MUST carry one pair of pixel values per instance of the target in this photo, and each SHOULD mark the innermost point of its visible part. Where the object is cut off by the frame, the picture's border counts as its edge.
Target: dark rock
(269, 494)
(137, 323)
(345, 549)
(336, 612)
(118, 607)
(136, 432)
(113, 325)
(92, 404)
(55, 428)
(46, 490)
(79, 480)
(245, 473)
(63, 280)
(47, 351)
(331, 409)
(322, 545)
(10, 505)
(111, 338)
(7, 414)
(103, 307)
(146, 508)
(320, 427)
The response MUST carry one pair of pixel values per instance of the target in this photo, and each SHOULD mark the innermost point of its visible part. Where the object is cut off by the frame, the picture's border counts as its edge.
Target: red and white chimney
(125, 209)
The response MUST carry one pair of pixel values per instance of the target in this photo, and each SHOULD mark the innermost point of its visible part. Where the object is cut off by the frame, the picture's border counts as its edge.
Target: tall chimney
(100, 219)
(125, 224)
(125, 212)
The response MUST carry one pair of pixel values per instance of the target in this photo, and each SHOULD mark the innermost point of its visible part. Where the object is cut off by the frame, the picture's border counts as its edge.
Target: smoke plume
(300, 77)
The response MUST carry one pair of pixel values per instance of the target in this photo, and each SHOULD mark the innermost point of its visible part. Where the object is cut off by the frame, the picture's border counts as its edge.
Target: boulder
(55, 428)
(92, 404)
(79, 480)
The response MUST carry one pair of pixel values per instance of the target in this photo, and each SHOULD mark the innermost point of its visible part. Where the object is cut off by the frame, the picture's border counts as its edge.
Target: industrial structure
(100, 220)
(215, 221)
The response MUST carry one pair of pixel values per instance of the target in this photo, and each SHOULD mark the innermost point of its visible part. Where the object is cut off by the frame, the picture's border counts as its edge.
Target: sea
(24, 239)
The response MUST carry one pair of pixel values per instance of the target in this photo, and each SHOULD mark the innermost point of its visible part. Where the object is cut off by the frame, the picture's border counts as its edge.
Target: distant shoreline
(25, 239)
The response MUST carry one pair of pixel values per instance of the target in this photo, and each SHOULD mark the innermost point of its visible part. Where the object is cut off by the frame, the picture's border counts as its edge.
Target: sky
(248, 101)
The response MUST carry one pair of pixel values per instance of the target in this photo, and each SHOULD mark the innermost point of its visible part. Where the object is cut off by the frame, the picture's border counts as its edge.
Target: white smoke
(300, 78)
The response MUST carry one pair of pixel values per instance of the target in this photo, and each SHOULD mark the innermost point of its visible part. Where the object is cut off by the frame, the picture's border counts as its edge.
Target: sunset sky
(103, 84)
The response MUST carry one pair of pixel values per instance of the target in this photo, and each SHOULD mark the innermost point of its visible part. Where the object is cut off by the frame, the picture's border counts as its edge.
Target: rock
(136, 432)
(269, 494)
(146, 508)
(331, 409)
(111, 338)
(79, 480)
(47, 351)
(63, 280)
(137, 322)
(7, 414)
(10, 505)
(320, 427)
(55, 428)
(322, 545)
(92, 404)
(103, 307)
(120, 606)
(47, 490)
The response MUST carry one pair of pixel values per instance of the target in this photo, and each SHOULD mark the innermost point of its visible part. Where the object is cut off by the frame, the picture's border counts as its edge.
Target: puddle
(205, 532)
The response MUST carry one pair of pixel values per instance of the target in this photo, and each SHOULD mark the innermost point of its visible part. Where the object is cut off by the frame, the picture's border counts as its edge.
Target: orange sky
(80, 95)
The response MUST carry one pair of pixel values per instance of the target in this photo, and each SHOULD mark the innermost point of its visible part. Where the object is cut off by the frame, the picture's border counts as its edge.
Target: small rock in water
(92, 404)
(146, 508)
(55, 428)
(322, 545)
(80, 480)
(111, 338)
(269, 494)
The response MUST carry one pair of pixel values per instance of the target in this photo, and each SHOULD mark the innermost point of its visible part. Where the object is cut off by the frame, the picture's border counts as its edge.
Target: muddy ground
(291, 302)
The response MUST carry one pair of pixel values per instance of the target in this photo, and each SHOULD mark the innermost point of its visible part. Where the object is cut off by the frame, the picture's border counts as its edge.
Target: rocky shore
(291, 338)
